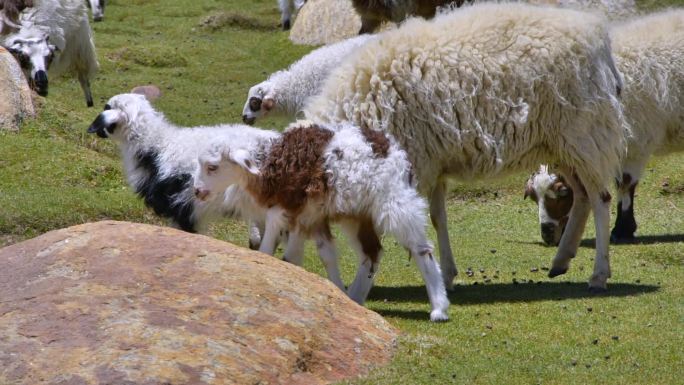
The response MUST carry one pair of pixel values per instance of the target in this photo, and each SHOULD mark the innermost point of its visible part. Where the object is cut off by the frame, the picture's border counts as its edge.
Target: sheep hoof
(556, 271)
(438, 316)
(597, 290)
(254, 245)
(286, 25)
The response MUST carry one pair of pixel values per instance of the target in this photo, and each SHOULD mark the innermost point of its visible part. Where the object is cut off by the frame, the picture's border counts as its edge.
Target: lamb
(284, 92)
(55, 37)
(312, 176)
(487, 90)
(649, 52)
(375, 12)
(159, 159)
(286, 11)
(97, 7)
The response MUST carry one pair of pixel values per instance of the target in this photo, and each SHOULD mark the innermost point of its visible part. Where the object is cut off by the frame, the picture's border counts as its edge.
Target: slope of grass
(510, 324)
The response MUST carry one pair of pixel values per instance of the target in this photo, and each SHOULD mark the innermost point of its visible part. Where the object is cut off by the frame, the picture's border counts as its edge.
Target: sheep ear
(268, 103)
(245, 160)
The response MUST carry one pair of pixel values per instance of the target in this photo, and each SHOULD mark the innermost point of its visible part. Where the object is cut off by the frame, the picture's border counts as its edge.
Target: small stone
(649, 325)
(492, 251)
(482, 270)
(544, 268)
(590, 309)
(483, 334)
(573, 362)
(615, 338)
(595, 341)
(534, 269)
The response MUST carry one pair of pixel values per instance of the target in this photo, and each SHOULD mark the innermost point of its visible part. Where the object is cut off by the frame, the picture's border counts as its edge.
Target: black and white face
(113, 121)
(35, 56)
(259, 102)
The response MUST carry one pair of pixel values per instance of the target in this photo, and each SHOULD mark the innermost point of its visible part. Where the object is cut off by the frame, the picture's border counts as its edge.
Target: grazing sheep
(312, 175)
(375, 12)
(286, 11)
(55, 38)
(487, 90)
(649, 52)
(284, 92)
(159, 159)
(97, 7)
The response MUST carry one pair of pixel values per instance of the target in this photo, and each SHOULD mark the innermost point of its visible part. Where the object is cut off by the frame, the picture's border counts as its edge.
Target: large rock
(327, 21)
(15, 96)
(122, 303)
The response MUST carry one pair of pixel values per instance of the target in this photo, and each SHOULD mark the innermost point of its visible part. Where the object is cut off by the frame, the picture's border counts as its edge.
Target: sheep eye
(254, 104)
(212, 167)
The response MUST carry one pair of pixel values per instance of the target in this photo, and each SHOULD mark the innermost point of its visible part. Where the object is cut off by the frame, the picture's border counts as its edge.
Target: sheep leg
(570, 240)
(274, 223)
(406, 222)
(600, 203)
(255, 231)
(294, 251)
(85, 85)
(365, 242)
(625, 223)
(327, 252)
(438, 216)
(285, 13)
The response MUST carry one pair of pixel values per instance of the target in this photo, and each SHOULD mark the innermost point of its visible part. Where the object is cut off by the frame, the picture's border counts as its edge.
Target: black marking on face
(164, 195)
(41, 82)
(254, 104)
(100, 127)
(107, 107)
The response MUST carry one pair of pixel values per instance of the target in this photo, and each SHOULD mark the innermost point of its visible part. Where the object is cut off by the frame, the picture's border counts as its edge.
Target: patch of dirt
(220, 20)
(157, 57)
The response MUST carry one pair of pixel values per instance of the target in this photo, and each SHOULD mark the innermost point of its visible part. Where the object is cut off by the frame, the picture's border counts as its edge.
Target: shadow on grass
(640, 240)
(509, 292)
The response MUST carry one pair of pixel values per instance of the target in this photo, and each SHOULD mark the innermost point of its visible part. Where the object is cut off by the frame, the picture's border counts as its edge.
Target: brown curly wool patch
(293, 171)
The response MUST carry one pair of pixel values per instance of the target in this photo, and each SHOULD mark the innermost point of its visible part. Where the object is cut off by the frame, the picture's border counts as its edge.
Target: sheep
(159, 159)
(286, 11)
(284, 92)
(55, 37)
(487, 90)
(375, 12)
(317, 174)
(649, 52)
(97, 7)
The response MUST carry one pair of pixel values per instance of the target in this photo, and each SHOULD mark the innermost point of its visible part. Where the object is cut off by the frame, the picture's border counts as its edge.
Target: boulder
(150, 92)
(123, 303)
(327, 21)
(15, 95)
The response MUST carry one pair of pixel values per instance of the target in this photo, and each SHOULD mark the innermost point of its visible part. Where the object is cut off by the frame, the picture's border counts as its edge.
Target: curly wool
(649, 52)
(487, 89)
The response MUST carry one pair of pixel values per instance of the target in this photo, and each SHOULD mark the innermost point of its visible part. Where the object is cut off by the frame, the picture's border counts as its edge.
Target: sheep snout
(41, 83)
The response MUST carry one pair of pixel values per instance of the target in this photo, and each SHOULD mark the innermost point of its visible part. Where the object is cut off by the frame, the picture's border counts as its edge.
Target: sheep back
(649, 52)
(487, 89)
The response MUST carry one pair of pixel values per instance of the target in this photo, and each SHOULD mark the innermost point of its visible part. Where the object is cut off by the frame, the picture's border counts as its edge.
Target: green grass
(204, 55)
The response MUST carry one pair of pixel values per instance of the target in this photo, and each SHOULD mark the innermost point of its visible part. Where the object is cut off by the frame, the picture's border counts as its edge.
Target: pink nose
(201, 194)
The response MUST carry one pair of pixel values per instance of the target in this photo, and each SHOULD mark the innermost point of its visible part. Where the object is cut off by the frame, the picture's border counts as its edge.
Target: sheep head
(34, 54)
(554, 200)
(260, 100)
(220, 168)
(114, 121)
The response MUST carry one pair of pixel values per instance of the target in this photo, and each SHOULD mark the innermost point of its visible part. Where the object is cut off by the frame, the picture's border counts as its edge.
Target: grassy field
(510, 324)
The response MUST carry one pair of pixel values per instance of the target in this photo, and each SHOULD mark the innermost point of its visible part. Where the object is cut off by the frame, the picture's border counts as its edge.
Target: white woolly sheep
(159, 159)
(97, 7)
(490, 89)
(284, 92)
(311, 176)
(286, 11)
(375, 12)
(649, 52)
(55, 38)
